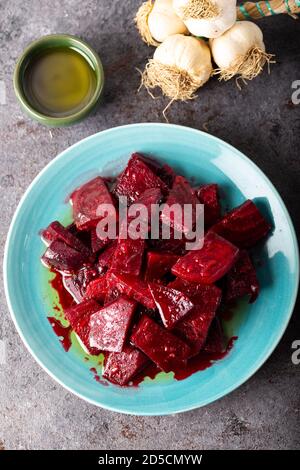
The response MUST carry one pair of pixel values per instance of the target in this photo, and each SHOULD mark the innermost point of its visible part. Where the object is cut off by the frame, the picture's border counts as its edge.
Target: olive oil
(59, 81)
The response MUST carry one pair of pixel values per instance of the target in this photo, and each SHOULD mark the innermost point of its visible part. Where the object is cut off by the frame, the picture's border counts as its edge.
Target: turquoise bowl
(197, 155)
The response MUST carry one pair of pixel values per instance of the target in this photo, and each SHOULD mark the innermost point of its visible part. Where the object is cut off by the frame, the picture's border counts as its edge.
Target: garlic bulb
(240, 51)
(207, 18)
(156, 20)
(180, 65)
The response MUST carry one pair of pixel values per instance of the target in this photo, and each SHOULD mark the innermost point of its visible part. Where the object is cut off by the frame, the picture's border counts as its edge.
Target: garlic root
(240, 51)
(175, 83)
(195, 9)
(246, 67)
(180, 65)
(141, 20)
(207, 18)
(157, 20)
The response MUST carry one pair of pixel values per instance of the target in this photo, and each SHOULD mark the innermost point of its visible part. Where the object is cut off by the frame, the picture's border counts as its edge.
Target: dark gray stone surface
(260, 120)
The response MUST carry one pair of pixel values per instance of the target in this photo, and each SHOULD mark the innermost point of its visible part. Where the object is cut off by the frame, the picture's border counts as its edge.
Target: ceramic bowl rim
(255, 367)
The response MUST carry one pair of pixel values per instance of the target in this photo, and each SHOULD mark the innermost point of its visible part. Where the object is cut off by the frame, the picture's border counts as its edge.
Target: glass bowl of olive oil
(58, 80)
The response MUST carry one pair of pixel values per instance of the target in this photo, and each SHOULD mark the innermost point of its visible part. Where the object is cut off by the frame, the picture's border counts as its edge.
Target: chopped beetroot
(136, 178)
(209, 196)
(150, 312)
(86, 200)
(97, 289)
(121, 367)
(141, 213)
(83, 235)
(86, 275)
(61, 257)
(180, 195)
(244, 226)
(175, 243)
(190, 289)
(109, 326)
(149, 197)
(199, 293)
(112, 294)
(82, 330)
(56, 231)
(77, 283)
(208, 264)
(97, 243)
(159, 264)
(195, 326)
(128, 257)
(172, 304)
(242, 280)
(71, 285)
(167, 175)
(106, 257)
(161, 346)
(167, 309)
(215, 338)
(85, 308)
(133, 287)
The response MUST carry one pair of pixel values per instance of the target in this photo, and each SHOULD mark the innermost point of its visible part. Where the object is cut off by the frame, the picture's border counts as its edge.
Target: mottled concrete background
(260, 120)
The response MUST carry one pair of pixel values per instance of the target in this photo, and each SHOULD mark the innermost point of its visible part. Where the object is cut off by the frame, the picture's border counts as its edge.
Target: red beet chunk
(112, 294)
(187, 287)
(121, 367)
(208, 264)
(215, 339)
(97, 289)
(128, 257)
(106, 257)
(150, 312)
(172, 304)
(56, 231)
(97, 243)
(200, 294)
(77, 283)
(171, 245)
(149, 197)
(109, 326)
(61, 257)
(73, 288)
(167, 175)
(140, 214)
(180, 194)
(242, 280)
(134, 287)
(75, 313)
(244, 226)
(195, 326)
(136, 178)
(209, 196)
(159, 264)
(82, 329)
(83, 235)
(86, 275)
(162, 347)
(86, 200)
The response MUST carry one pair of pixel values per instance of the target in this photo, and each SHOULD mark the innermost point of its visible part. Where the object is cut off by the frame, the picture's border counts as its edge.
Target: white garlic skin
(236, 42)
(186, 53)
(163, 21)
(214, 27)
